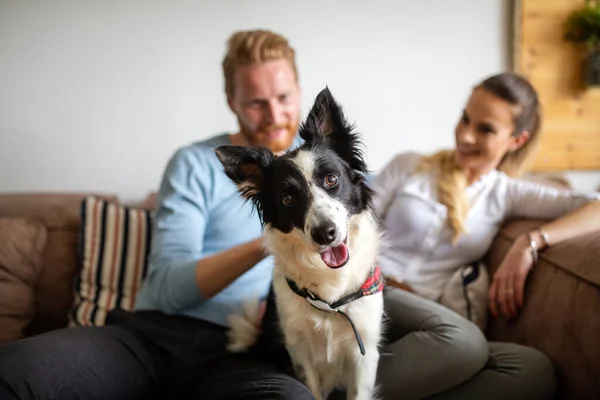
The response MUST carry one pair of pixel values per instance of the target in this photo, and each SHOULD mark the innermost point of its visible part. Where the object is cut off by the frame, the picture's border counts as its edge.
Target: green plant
(583, 24)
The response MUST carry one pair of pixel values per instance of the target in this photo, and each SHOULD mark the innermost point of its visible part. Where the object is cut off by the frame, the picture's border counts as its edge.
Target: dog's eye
(331, 180)
(287, 200)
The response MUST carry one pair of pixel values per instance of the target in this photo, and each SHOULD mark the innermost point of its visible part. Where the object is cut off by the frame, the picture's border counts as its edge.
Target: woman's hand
(508, 285)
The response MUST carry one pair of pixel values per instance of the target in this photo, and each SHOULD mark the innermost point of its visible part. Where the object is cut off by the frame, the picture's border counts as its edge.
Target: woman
(441, 212)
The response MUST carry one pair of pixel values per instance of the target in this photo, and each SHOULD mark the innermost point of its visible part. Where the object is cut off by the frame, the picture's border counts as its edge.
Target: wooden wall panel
(571, 124)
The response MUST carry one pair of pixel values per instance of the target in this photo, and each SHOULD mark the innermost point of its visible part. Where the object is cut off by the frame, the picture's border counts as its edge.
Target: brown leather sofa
(561, 317)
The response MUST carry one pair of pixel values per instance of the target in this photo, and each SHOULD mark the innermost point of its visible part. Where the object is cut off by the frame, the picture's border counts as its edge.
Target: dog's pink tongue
(336, 256)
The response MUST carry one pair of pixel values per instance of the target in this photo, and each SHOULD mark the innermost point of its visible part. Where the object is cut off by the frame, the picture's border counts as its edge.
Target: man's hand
(218, 271)
(508, 286)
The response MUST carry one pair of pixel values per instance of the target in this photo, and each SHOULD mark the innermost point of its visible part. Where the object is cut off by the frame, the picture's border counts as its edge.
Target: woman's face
(484, 133)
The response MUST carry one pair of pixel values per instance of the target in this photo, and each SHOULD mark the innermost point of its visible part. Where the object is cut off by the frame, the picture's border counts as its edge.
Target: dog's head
(308, 195)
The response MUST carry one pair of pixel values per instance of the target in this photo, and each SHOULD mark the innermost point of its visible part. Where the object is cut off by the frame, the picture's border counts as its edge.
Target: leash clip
(321, 305)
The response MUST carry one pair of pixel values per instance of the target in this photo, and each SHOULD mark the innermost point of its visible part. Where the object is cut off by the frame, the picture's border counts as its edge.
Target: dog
(316, 209)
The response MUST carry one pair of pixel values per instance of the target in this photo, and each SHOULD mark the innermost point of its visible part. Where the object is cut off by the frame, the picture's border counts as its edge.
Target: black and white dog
(319, 226)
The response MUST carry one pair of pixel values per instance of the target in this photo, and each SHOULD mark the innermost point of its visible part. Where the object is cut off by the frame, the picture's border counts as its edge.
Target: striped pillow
(113, 251)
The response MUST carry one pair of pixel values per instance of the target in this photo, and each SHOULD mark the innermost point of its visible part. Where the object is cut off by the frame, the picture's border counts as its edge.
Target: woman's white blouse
(418, 245)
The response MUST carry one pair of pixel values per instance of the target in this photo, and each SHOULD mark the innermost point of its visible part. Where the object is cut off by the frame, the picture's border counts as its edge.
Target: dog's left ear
(326, 120)
(245, 166)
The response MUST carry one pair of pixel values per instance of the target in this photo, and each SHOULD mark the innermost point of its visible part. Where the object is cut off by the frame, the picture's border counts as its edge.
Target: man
(206, 259)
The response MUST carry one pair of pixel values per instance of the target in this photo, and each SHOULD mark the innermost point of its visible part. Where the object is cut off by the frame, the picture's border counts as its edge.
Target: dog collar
(373, 284)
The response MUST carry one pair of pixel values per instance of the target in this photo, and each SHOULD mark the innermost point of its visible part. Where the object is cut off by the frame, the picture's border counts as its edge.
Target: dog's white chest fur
(323, 345)
(326, 343)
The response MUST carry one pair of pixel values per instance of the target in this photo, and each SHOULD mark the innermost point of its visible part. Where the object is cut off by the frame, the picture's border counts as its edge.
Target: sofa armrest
(561, 314)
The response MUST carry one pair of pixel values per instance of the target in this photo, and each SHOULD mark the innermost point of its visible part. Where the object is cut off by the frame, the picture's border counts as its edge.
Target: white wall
(95, 96)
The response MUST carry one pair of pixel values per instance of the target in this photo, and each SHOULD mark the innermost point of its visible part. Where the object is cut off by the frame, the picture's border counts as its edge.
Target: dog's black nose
(324, 234)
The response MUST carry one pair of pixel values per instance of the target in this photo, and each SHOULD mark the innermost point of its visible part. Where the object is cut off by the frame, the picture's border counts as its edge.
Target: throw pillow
(22, 242)
(114, 243)
(467, 292)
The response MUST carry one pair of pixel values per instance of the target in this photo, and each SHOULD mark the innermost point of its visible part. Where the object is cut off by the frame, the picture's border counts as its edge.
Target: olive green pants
(432, 352)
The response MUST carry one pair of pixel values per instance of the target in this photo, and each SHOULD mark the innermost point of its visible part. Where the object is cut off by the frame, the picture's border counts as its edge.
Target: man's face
(266, 100)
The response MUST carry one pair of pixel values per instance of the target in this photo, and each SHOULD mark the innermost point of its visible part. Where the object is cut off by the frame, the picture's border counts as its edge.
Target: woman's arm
(583, 220)
(523, 199)
(580, 216)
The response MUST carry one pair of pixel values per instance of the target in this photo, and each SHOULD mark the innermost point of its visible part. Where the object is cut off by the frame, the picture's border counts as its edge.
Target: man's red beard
(279, 144)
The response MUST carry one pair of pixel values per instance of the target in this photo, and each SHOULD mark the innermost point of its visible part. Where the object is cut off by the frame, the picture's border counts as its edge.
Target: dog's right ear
(324, 118)
(245, 166)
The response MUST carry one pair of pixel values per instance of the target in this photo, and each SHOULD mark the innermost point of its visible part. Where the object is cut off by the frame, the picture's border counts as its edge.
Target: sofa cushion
(114, 245)
(21, 244)
(61, 215)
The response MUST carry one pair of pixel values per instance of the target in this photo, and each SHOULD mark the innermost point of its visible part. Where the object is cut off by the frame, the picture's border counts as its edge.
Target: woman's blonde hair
(452, 181)
(254, 47)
